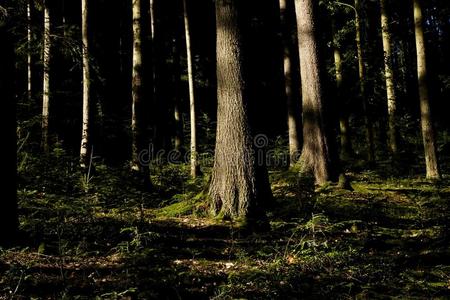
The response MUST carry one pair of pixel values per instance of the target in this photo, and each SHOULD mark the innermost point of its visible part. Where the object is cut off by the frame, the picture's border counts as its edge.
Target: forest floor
(100, 237)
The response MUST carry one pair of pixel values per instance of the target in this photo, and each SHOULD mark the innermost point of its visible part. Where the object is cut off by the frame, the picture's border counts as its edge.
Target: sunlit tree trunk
(315, 153)
(194, 161)
(46, 77)
(136, 87)
(362, 85)
(29, 91)
(389, 76)
(236, 189)
(84, 149)
(428, 134)
(344, 128)
(293, 108)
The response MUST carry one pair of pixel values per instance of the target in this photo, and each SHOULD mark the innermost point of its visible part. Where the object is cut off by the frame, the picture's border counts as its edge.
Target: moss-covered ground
(101, 237)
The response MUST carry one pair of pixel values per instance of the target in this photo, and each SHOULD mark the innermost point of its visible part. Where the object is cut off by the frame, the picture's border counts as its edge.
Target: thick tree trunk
(293, 107)
(389, 76)
(362, 85)
(315, 154)
(428, 135)
(344, 128)
(29, 86)
(84, 149)
(237, 189)
(194, 161)
(46, 78)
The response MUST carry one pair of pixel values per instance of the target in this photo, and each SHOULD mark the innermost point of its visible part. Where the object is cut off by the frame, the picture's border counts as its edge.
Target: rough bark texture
(193, 125)
(389, 77)
(136, 88)
(428, 135)
(362, 85)
(84, 149)
(46, 78)
(237, 189)
(315, 155)
(344, 128)
(293, 107)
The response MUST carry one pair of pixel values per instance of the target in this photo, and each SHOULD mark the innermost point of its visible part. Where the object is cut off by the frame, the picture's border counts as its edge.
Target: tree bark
(29, 86)
(178, 117)
(293, 107)
(389, 77)
(193, 125)
(428, 134)
(46, 78)
(84, 149)
(237, 189)
(362, 85)
(344, 128)
(136, 88)
(315, 153)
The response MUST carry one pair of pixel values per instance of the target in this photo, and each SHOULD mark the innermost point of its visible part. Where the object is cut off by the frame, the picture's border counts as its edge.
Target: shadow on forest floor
(387, 238)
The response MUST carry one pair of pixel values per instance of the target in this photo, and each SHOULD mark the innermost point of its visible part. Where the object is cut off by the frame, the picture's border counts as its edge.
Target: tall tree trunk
(178, 117)
(315, 154)
(46, 78)
(428, 134)
(237, 189)
(136, 87)
(344, 128)
(29, 86)
(293, 108)
(84, 150)
(152, 46)
(194, 161)
(389, 76)
(362, 85)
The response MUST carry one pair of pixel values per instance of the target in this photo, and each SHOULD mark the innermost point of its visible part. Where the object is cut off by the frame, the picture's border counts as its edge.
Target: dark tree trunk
(290, 81)
(239, 186)
(344, 127)
(177, 111)
(8, 200)
(362, 85)
(315, 155)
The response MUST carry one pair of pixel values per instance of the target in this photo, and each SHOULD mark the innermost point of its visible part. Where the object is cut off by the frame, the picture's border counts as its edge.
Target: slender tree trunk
(194, 161)
(64, 21)
(84, 149)
(46, 78)
(29, 91)
(389, 76)
(315, 154)
(428, 133)
(178, 117)
(153, 46)
(344, 128)
(362, 85)
(236, 189)
(136, 86)
(293, 108)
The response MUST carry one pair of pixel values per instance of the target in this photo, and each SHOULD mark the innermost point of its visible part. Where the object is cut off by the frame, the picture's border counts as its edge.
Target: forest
(225, 149)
